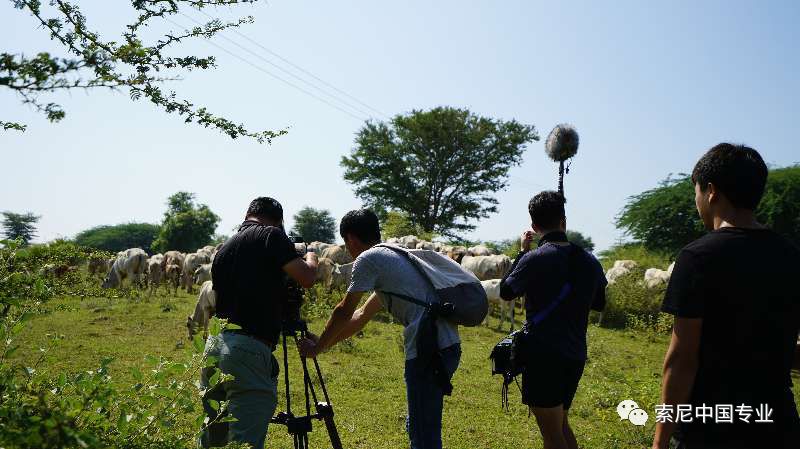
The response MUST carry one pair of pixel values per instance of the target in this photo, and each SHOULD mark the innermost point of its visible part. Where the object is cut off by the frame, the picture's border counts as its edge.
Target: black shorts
(550, 380)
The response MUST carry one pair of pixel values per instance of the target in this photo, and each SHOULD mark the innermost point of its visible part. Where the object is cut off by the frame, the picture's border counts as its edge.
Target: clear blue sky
(649, 88)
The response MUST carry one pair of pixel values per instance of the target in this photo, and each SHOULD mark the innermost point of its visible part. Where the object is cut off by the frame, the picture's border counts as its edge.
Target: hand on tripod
(309, 346)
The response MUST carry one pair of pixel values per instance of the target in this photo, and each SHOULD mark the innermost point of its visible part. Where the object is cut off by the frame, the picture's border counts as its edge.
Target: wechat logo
(629, 410)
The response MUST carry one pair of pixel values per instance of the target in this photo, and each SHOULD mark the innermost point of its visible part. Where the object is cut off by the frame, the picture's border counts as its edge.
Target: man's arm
(303, 271)
(680, 368)
(339, 320)
(359, 319)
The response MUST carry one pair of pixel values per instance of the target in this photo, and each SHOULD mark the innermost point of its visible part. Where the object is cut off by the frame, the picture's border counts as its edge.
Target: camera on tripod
(293, 326)
(292, 322)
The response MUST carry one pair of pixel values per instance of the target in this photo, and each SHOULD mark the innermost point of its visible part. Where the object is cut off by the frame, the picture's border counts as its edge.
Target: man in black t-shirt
(737, 314)
(561, 282)
(249, 277)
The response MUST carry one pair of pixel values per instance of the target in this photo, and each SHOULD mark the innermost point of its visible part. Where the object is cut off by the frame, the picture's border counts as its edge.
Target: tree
(398, 224)
(665, 218)
(314, 225)
(20, 226)
(187, 226)
(119, 237)
(579, 239)
(440, 166)
(90, 62)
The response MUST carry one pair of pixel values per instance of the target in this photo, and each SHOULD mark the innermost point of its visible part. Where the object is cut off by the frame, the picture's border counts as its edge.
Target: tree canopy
(129, 61)
(665, 218)
(119, 237)
(314, 225)
(187, 226)
(440, 166)
(398, 224)
(20, 226)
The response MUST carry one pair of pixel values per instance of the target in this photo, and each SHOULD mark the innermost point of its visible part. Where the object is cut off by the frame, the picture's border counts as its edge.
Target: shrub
(39, 409)
(119, 237)
(629, 301)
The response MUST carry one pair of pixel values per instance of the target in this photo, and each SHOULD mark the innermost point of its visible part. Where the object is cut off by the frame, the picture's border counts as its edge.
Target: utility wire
(256, 43)
(287, 72)
(257, 67)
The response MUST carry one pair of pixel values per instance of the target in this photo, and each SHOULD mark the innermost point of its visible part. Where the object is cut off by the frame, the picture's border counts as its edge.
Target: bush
(39, 409)
(629, 301)
(119, 237)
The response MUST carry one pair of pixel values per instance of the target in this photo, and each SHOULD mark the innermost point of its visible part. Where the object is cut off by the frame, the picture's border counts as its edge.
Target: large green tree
(665, 218)
(441, 166)
(20, 226)
(119, 237)
(187, 225)
(135, 60)
(314, 225)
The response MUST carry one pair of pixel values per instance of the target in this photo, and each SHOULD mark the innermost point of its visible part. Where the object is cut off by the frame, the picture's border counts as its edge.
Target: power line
(287, 72)
(273, 53)
(257, 67)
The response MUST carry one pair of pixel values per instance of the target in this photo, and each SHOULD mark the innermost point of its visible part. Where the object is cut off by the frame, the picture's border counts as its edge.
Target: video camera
(295, 295)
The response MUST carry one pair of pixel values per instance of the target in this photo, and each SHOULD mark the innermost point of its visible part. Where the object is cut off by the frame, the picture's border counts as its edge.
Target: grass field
(365, 375)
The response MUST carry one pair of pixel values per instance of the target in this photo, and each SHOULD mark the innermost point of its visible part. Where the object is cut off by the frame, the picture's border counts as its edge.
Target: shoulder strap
(419, 269)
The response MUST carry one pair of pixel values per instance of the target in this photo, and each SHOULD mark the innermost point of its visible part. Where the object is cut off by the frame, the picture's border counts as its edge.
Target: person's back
(249, 281)
(384, 270)
(561, 283)
(742, 279)
(564, 328)
(726, 381)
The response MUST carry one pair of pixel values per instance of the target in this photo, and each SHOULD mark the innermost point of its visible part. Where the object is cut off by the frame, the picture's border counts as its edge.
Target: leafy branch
(130, 64)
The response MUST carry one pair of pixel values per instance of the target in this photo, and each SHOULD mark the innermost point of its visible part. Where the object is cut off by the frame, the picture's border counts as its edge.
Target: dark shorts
(550, 380)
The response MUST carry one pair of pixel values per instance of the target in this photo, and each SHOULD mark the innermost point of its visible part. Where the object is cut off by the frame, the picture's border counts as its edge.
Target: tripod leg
(286, 377)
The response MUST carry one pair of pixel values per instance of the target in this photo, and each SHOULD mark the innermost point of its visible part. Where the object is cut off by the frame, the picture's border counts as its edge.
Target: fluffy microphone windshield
(562, 143)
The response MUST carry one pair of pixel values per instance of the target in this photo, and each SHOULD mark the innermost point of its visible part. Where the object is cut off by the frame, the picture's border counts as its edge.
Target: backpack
(462, 299)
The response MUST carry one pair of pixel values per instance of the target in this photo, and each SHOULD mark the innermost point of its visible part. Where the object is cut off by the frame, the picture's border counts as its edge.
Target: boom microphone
(562, 144)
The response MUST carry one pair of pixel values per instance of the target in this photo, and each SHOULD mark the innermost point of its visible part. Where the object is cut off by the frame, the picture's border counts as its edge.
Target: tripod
(300, 426)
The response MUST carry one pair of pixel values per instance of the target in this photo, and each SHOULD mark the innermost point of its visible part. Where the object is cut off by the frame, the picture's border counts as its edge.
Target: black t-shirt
(541, 275)
(743, 284)
(249, 279)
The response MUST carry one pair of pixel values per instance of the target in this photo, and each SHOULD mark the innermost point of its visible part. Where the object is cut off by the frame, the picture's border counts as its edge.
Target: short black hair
(737, 171)
(266, 207)
(363, 223)
(547, 209)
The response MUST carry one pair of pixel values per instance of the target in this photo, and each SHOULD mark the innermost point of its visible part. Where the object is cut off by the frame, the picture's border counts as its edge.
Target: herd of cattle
(174, 269)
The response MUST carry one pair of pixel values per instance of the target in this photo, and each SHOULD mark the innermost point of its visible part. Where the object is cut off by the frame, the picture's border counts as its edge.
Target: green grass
(365, 375)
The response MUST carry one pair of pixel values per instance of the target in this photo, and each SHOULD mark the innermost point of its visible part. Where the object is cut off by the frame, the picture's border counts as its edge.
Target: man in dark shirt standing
(249, 277)
(561, 283)
(737, 312)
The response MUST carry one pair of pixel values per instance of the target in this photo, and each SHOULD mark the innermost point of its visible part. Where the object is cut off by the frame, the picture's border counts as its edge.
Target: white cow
(129, 264)
(155, 273)
(190, 264)
(487, 267)
(341, 275)
(338, 254)
(203, 309)
(620, 268)
(409, 241)
(202, 274)
(172, 274)
(457, 253)
(319, 247)
(333, 275)
(422, 244)
(655, 277)
(492, 288)
(479, 250)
